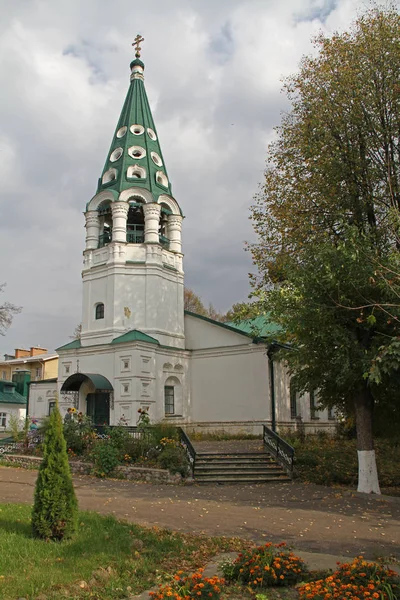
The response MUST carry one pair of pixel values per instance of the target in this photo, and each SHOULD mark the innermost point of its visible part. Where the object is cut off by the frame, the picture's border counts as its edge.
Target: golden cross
(137, 41)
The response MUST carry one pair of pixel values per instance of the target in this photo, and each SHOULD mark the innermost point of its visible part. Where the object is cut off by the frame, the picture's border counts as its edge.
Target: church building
(139, 349)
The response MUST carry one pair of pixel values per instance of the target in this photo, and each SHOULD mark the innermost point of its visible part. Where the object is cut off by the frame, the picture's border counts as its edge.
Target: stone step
(233, 473)
(243, 479)
(244, 455)
(234, 467)
(236, 461)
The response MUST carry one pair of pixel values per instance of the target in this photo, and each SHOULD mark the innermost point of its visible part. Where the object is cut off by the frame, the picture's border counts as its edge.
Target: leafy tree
(55, 509)
(7, 312)
(332, 186)
(243, 310)
(193, 303)
(77, 332)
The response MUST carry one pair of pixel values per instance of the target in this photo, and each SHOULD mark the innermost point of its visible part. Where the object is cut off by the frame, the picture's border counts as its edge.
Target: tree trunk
(367, 471)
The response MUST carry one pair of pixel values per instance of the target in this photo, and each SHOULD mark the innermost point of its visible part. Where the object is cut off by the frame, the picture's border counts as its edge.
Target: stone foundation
(83, 468)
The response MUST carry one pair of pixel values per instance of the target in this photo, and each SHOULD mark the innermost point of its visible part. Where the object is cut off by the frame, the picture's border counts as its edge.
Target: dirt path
(310, 517)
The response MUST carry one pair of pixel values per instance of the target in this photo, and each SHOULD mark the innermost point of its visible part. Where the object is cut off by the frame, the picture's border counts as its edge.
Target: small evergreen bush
(55, 509)
(105, 458)
(174, 459)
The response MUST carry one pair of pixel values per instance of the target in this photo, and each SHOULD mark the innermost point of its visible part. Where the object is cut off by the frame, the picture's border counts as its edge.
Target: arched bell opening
(163, 226)
(135, 222)
(106, 223)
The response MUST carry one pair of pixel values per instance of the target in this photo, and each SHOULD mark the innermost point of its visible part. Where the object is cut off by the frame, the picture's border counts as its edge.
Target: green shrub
(55, 509)
(105, 457)
(120, 439)
(174, 459)
(163, 430)
(79, 435)
(138, 448)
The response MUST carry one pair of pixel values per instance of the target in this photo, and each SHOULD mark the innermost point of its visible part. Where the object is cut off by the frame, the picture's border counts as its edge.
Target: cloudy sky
(214, 72)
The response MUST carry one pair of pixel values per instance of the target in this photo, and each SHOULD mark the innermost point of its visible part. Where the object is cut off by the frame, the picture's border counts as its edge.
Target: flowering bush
(185, 587)
(264, 566)
(353, 581)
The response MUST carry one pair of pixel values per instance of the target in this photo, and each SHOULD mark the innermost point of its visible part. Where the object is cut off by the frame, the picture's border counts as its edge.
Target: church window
(151, 134)
(161, 179)
(294, 396)
(135, 223)
(109, 176)
(137, 129)
(169, 400)
(99, 311)
(331, 415)
(121, 132)
(3, 419)
(156, 159)
(137, 152)
(136, 172)
(313, 406)
(52, 406)
(116, 154)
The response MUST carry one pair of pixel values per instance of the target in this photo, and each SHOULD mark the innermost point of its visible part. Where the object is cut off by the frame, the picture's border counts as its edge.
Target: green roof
(261, 326)
(229, 326)
(135, 336)
(70, 346)
(136, 112)
(8, 395)
(74, 381)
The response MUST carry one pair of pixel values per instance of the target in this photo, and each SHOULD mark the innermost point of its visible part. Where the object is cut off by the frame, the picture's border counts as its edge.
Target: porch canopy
(74, 382)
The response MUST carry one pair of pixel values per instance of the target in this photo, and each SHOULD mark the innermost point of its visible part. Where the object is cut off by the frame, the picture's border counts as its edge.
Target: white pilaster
(92, 229)
(175, 233)
(151, 223)
(119, 216)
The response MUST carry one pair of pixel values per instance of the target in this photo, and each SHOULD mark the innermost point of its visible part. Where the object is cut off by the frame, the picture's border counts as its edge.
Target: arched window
(173, 401)
(135, 222)
(99, 312)
(105, 219)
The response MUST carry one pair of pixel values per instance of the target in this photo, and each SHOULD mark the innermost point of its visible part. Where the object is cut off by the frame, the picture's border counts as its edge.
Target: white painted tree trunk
(368, 482)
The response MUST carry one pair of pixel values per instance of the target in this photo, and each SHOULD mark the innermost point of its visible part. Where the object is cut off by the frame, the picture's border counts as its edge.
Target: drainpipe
(270, 354)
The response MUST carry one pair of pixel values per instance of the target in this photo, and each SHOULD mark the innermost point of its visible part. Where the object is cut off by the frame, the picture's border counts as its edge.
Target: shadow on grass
(15, 526)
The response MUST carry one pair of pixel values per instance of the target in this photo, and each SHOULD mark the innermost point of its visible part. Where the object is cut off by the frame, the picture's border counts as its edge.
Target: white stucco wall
(201, 333)
(40, 396)
(230, 384)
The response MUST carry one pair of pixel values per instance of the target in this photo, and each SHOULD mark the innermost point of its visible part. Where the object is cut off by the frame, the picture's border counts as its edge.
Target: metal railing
(281, 450)
(134, 431)
(135, 237)
(104, 239)
(188, 447)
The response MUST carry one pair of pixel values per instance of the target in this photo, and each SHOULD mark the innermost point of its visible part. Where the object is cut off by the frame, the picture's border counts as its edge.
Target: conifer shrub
(55, 509)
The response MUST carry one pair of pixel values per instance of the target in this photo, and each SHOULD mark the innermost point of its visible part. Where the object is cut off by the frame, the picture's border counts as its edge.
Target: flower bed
(184, 587)
(358, 580)
(266, 566)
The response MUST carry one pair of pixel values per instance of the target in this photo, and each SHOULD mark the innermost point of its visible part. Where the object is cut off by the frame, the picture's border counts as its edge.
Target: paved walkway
(311, 518)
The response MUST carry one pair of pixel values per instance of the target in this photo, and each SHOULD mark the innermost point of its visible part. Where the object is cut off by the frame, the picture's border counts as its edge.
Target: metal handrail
(281, 450)
(189, 448)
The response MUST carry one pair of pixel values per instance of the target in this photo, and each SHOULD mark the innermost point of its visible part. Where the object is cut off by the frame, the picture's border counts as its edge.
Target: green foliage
(105, 457)
(163, 430)
(79, 434)
(15, 427)
(55, 509)
(266, 566)
(173, 458)
(328, 461)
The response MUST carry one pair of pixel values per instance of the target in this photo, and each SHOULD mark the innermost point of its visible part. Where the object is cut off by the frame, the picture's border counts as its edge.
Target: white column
(92, 229)
(175, 233)
(119, 217)
(151, 223)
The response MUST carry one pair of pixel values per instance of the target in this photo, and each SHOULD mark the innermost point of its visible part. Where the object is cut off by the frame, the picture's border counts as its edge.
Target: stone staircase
(242, 466)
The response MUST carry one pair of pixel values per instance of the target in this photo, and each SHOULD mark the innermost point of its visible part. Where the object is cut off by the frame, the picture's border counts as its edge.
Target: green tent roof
(70, 345)
(136, 134)
(135, 336)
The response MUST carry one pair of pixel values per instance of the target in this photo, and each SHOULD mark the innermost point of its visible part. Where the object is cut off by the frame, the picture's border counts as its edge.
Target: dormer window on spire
(122, 131)
(137, 129)
(137, 152)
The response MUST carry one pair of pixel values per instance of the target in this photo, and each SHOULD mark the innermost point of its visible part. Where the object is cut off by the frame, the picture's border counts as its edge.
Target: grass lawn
(107, 559)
